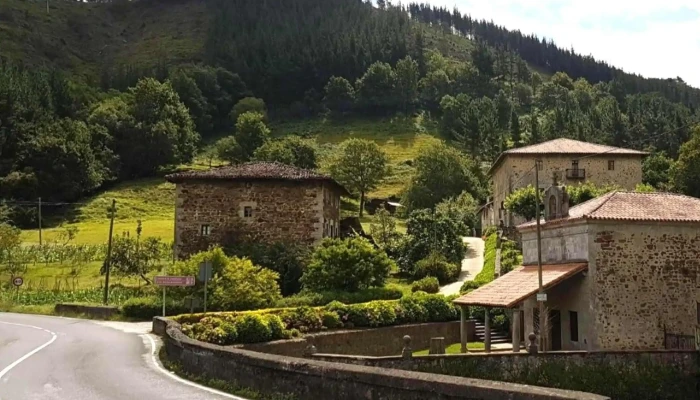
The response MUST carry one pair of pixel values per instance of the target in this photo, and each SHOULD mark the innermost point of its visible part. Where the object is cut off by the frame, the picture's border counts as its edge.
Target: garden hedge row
(283, 323)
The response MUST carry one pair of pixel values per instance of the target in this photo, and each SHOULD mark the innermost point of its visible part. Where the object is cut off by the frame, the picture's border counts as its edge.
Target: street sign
(541, 296)
(205, 271)
(18, 281)
(174, 280)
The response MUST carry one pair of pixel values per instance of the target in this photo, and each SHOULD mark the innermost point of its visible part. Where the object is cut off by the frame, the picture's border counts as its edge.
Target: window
(573, 325)
(205, 230)
(698, 307)
(247, 212)
(611, 165)
(574, 165)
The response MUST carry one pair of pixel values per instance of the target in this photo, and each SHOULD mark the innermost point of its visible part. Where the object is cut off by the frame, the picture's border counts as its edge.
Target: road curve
(51, 358)
(472, 264)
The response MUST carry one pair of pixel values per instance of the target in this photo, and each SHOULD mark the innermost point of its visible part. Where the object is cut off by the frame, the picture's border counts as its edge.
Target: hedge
(283, 323)
(145, 308)
(429, 284)
(313, 299)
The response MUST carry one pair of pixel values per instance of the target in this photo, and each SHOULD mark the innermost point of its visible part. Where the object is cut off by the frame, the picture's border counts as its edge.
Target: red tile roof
(519, 284)
(632, 206)
(567, 146)
(254, 171)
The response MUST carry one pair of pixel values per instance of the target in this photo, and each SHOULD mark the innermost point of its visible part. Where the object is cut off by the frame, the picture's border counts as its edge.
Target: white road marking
(171, 375)
(31, 353)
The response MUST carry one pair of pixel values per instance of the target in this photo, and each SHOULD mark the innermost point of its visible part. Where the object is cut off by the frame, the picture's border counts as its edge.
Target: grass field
(401, 138)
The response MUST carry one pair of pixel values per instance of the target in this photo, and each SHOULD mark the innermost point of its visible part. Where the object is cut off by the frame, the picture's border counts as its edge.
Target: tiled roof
(567, 146)
(632, 206)
(519, 284)
(254, 171)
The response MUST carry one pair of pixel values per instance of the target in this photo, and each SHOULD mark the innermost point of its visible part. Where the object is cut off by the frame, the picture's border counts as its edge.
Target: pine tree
(515, 130)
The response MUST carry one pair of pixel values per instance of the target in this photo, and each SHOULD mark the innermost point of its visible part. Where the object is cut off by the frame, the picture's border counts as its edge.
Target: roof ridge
(609, 195)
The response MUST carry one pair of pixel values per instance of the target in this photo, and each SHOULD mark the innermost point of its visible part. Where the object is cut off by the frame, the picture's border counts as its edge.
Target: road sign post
(165, 281)
(17, 282)
(205, 276)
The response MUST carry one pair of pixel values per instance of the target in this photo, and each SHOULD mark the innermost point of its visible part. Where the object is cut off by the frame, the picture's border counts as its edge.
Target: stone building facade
(267, 202)
(572, 161)
(627, 274)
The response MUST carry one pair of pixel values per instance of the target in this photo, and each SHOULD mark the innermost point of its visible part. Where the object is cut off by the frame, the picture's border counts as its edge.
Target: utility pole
(108, 261)
(540, 293)
(40, 242)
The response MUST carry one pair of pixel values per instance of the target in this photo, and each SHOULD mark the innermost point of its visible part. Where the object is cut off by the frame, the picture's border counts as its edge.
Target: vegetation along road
(68, 359)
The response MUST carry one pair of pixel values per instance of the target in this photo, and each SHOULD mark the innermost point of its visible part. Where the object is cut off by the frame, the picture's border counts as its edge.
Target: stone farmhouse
(268, 202)
(621, 272)
(573, 161)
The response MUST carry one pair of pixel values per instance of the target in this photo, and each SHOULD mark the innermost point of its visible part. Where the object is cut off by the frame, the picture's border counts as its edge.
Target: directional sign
(174, 280)
(18, 281)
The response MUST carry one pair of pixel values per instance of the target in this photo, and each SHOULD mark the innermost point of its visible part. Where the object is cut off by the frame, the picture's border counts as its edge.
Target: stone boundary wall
(311, 379)
(387, 341)
(687, 361)
(99, 312)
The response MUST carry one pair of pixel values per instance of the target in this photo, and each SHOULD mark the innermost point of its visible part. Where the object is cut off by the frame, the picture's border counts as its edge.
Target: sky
(659, 38)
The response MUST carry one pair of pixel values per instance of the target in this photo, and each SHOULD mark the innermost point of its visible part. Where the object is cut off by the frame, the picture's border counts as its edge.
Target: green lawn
(453, 348)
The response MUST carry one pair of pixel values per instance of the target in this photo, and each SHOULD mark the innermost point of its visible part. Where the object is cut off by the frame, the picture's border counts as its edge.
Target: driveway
(70, 359)
(471, 265)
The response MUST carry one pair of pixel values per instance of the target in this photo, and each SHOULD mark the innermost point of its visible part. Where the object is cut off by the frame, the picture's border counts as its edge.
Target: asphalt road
(50, 358)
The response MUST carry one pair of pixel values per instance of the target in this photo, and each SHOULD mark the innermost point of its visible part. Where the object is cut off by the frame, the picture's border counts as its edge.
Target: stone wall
(516, 171)
(310, 379)
(646, 283)
(369, 342)
(281, 211)
(630, 375)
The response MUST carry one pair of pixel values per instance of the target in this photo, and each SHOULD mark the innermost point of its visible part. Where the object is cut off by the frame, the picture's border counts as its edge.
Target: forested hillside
(96, 93)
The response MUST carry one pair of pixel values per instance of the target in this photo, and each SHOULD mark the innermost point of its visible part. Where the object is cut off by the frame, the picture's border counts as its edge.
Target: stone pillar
(487, 330)
(516, 330)
(437, 345)
(407, 351)
(463, 328)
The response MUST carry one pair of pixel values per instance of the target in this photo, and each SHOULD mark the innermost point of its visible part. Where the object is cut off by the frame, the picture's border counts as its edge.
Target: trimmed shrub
(319, 299)
(145, 308)
(469, 285)
(429, 284)
(253, 328)
(273, 324)
(436, 265)
(411, 310)
(331, 320)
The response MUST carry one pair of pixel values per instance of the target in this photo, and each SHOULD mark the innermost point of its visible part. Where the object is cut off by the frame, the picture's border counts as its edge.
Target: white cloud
(652, 38)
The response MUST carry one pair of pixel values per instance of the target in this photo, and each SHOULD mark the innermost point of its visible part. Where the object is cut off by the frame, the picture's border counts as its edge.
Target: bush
(411, 310)
(323, 298)
(350, 265)
(469, 285)
(273, 324)
(428, 284)
(331, 320)
(438, 307)
(244, 286)
(253, 328)
(145, 308)
(436, 265)
(488, 273)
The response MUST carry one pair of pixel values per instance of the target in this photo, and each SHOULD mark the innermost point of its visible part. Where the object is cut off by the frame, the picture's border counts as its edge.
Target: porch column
(463, 327)
(487, 331)
(516, 330)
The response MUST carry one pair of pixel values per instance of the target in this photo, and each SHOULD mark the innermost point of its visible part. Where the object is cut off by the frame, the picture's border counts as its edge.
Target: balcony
(576, 174)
